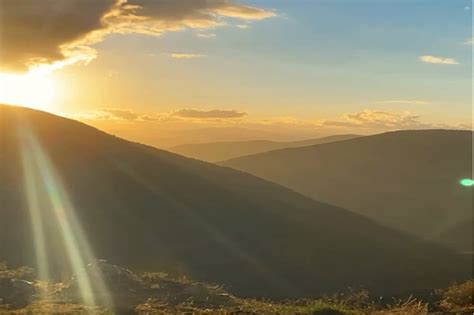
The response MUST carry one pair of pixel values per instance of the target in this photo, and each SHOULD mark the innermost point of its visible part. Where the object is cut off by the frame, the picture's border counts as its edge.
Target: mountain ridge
(221, 151)
(149, 209)
(412, 175)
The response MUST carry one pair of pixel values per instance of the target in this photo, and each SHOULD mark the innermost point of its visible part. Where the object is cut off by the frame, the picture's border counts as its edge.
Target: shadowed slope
(152, 210)
(408, 180)
(220, 151)
(459, 236)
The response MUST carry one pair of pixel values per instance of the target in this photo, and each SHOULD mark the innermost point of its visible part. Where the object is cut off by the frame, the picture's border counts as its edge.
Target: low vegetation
(158, 293)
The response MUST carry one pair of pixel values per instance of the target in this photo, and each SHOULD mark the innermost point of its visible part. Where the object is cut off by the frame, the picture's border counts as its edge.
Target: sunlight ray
(37, 224)
(74, 238)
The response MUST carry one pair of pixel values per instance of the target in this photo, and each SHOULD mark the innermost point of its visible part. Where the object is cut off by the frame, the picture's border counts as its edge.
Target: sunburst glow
(35, 89)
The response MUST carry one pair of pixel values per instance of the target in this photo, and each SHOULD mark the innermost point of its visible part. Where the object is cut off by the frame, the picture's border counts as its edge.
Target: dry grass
(44, 307)
(458, 298)
(409, 306)
(183, 296)
(25, 273)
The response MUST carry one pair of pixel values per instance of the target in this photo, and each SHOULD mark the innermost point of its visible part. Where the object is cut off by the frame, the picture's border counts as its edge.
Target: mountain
(69, 192)
(221, 151)
(408, 180)
(459, 236)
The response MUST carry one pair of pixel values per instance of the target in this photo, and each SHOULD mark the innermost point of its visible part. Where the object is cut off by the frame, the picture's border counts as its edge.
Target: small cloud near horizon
(206, 36)
(438, 60)
(378, 120)
(243, 26)
(407, 102)
(186, 56)
(210, 114)
(119, 114)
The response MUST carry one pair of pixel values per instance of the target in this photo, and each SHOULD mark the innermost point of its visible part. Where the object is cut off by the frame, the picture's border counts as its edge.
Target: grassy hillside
(220, 151)
(149, 209)
(158, 293)
(407, 180)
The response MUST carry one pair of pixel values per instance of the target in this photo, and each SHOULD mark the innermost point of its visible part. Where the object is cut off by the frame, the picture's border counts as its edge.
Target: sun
(34, 89)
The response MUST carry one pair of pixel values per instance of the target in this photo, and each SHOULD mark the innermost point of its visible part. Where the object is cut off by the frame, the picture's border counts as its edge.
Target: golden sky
(171, 72)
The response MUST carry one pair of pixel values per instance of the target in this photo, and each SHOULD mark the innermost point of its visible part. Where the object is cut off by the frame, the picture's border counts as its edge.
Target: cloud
(469, 41)
(407, 102)
(378, 120)
(466, 126)
(207, 36)
(44, 31)
(125, 114)
(217, 113)
(107, 114)
(438, 60)
(186, 56)
(61, 32)
(243, 26)
(131, 115)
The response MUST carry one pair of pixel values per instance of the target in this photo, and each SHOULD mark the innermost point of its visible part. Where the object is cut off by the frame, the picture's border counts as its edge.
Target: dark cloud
(36, 31)
(195, 12)
(48, 31)
(217, 113)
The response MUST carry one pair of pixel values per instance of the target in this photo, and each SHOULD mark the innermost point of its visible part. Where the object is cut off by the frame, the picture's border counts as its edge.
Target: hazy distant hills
(153, 210)
(220, 151)
(408, 180)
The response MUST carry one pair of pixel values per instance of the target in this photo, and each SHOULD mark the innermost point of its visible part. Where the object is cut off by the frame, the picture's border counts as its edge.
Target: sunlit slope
(220, 151)
(408, 180)
(153, 210)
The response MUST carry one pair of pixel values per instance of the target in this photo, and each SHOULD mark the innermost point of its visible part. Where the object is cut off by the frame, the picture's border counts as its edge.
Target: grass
(183, 296)
(458, 298)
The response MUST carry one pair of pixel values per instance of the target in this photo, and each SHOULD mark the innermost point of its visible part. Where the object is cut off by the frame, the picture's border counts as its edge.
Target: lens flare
(467, 182)
(40, 175)
(37, 224)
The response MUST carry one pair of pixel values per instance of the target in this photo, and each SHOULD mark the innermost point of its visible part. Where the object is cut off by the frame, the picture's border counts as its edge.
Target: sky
(168, 72)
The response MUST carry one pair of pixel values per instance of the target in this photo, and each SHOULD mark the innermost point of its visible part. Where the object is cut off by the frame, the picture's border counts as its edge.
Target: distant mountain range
(67, 184)
(408, 180)
(220, 151)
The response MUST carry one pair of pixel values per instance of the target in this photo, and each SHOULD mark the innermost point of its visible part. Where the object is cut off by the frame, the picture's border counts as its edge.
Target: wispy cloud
(469, 41)
(438, 60)
(206, 35)
(126, 114)
(129, 115)
(378, 120)
(211, 114)
(186, 56)
(404, 102)
(243, 26)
